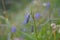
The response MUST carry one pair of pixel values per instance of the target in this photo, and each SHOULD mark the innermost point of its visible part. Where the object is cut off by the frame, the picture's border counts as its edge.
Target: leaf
(29, 37)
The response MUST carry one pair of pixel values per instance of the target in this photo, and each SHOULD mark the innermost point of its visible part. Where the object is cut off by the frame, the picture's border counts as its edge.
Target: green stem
(4, 9)
(35, 27)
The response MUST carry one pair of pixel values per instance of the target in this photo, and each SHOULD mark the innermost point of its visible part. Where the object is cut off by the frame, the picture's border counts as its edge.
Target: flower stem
(54, 36)
(35, 27)
(35, 30)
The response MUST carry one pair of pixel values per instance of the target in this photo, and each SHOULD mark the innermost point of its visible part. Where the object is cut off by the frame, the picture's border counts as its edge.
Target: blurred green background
(14, 11)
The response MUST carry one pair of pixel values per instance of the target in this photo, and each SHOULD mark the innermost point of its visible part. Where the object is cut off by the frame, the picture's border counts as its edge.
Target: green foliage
(17, 7)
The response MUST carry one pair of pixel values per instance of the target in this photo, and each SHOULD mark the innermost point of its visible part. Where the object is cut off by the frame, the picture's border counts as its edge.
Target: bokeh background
(18, 18)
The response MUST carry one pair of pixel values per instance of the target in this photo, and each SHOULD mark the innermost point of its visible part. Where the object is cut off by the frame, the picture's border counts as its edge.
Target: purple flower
(47, 5)
(37, 15)
(13, 29)
(27, 17)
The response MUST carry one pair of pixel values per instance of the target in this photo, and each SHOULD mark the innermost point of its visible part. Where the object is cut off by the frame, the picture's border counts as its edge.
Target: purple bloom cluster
(47, 5)
(37, 15)
(27, 16)
(13, 29)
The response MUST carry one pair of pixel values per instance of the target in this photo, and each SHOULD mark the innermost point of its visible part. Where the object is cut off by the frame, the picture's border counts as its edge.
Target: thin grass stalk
(54, 35)
(4, 9)
(35, 26)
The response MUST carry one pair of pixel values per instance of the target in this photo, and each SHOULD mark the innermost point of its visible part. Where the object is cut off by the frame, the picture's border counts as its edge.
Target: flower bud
(37, 15)
(13, 29)
(27, 17)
